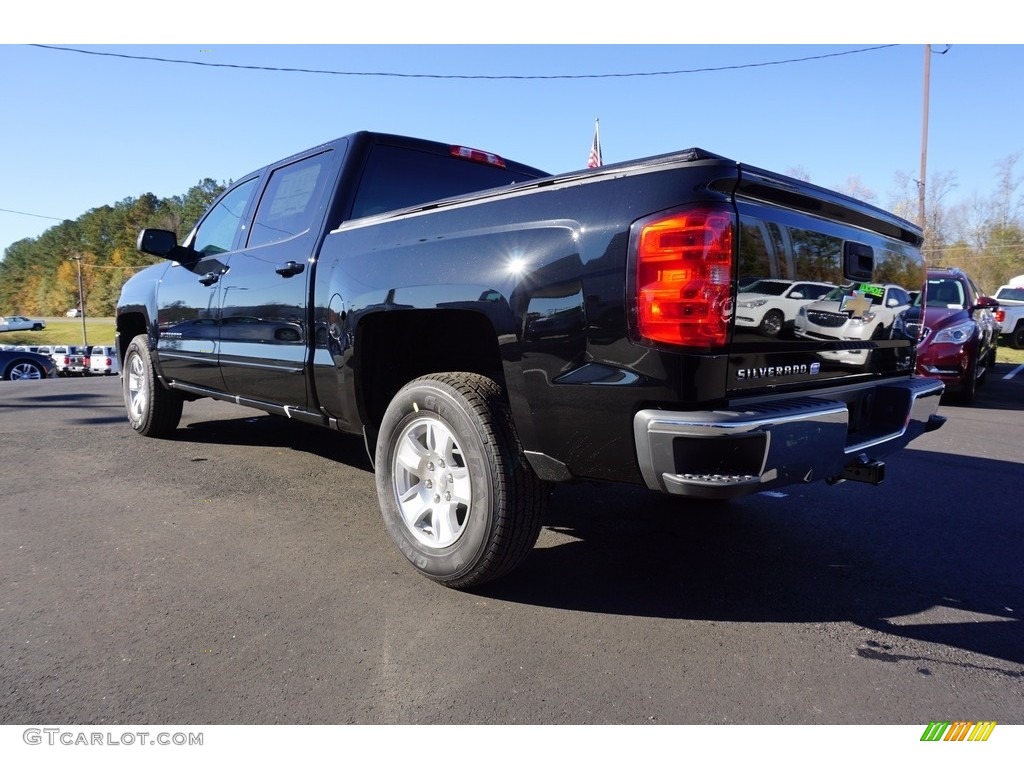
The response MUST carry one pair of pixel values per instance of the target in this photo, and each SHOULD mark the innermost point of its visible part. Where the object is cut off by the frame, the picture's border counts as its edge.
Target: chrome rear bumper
(726, 453)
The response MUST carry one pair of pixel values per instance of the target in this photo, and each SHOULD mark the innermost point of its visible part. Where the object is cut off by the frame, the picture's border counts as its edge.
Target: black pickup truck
(490, 329)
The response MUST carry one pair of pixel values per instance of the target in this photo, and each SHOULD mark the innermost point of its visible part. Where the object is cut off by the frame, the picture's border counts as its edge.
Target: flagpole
(596, 160)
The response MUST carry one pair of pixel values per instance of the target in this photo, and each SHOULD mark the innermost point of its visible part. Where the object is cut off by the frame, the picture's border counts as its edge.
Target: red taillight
(67, 360)
(683, 278)
(1000, 315)
(109, 363)
(477, 156)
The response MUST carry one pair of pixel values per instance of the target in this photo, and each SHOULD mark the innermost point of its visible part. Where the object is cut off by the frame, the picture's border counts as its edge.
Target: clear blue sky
(80, 131)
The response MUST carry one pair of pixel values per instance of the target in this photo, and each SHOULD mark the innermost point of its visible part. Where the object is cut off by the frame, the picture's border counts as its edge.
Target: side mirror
(157, 242)
(985, 302)
(160, 242)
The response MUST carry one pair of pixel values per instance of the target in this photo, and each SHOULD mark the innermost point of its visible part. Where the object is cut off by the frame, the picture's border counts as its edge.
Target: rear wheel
(456, 493)
(153, 411)
(1017, 337)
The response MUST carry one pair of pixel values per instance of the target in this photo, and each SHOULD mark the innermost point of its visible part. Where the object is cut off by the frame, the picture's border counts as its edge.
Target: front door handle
(209, 278)
(291, 268)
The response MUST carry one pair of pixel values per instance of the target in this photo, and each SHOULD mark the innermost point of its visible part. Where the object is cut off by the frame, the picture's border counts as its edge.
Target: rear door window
(290, 200)
(397, 177)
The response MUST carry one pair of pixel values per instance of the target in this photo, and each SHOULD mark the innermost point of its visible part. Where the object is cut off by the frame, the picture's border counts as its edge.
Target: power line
(36, 215)
(465, 77)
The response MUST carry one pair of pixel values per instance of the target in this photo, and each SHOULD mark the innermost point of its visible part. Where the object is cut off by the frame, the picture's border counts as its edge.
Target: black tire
(990, 362)
(771, 323)
(457, 495)
(24, 370)
(970, 388)
(152, 410)
(1017, 337)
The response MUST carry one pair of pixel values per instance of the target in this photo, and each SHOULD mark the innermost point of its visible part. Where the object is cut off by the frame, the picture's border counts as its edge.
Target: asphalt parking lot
(239, 573)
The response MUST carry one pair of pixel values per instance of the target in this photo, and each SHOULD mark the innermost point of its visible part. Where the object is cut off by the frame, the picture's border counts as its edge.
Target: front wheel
(990, 363)
(457, 495)
(153, 411)
(771, 323)
(970, 386)
(25, 370)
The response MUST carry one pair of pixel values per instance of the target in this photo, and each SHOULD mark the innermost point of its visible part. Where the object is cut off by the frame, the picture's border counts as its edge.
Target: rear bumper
(727, 453)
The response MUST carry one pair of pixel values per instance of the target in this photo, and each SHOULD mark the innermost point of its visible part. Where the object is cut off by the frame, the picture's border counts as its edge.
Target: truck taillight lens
(1000, 315)
(684, 277)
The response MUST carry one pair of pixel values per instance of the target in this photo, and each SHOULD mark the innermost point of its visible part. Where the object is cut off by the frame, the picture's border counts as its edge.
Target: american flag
(594, 161)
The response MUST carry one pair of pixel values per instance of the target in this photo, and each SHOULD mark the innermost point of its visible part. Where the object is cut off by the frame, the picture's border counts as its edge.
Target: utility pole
(81, 298)
(924, 136)
(924, 131)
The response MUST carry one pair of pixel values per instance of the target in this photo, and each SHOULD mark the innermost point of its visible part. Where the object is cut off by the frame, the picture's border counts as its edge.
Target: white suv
(853, 312)
(771, 305)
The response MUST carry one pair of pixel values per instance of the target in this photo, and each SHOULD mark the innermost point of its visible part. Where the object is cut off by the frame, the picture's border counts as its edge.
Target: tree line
(984, 235)
(39, 276)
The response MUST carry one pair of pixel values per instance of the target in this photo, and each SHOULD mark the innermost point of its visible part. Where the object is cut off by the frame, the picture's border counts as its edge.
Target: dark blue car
(19, 366)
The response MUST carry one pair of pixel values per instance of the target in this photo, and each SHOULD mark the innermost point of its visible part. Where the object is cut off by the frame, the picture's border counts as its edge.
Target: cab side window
(290, 200)
(217, 232)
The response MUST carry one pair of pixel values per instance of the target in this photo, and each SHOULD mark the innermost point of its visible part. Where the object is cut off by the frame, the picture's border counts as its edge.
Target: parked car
(20, 323)
(58, 352)
(489, 329)
(16, 365)
(771, 305)
(1010, 315)
(77, 361)
(853, 312)
(958, 332)
(69, 359)
(73, 312)
(103, 361)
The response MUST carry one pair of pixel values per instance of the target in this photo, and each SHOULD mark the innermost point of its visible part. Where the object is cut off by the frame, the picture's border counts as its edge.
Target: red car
(958, 341)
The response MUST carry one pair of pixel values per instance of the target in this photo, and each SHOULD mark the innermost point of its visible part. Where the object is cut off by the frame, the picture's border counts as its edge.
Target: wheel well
(128, 327)
(397, 347)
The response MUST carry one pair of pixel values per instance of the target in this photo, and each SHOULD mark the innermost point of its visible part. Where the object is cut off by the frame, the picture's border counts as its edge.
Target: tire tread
(163, 406)
(517, 488)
